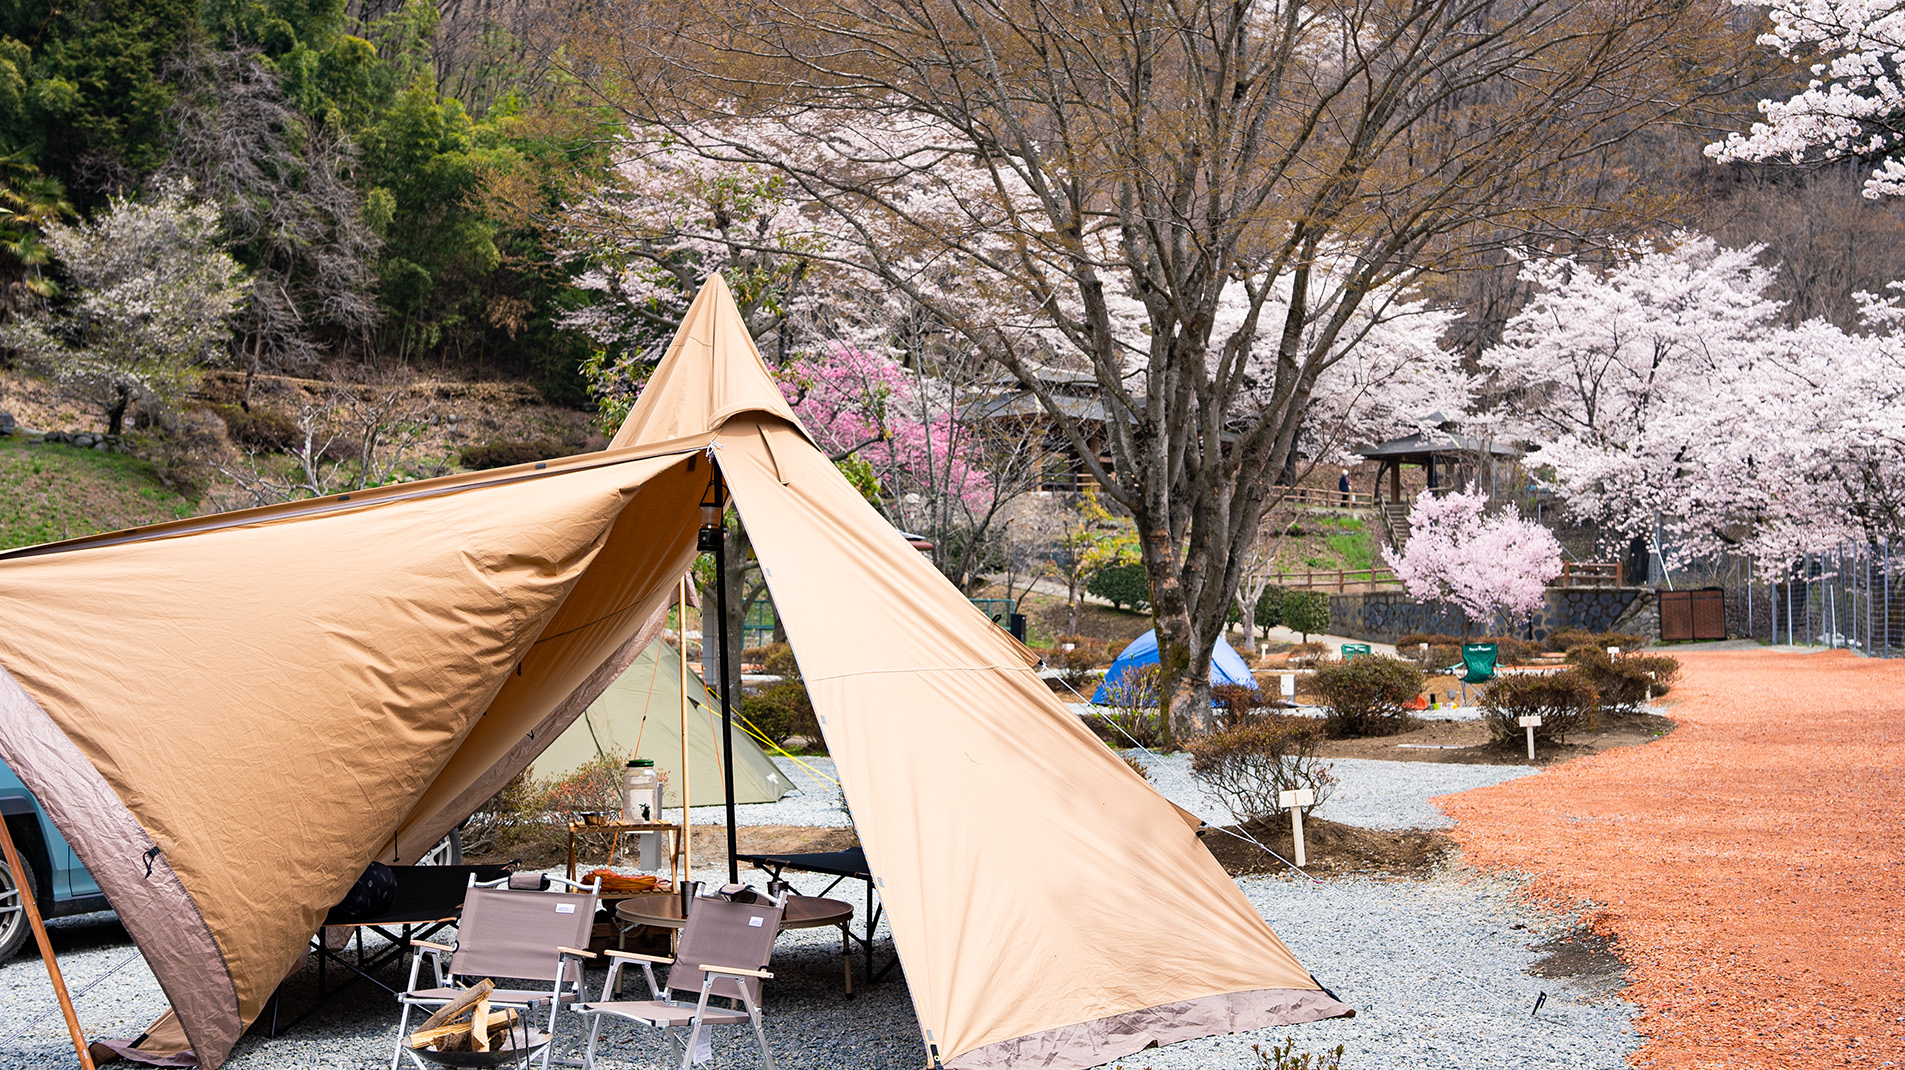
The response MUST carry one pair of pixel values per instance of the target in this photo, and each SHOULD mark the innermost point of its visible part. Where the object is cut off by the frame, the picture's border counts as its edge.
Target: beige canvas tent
(229, 716)
(640, 716)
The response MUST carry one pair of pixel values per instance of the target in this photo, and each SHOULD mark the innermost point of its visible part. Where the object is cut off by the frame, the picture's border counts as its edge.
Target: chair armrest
(639, 957)
(575, 952)
(428, 946)
(732, 971)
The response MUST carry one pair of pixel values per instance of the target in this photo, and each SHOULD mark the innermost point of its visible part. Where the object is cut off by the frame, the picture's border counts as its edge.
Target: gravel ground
(817, 803)
(1437, 969)
(1370, 794)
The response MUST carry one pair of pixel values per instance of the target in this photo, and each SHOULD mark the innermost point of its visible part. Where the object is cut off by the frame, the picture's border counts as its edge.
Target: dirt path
(1750, 866)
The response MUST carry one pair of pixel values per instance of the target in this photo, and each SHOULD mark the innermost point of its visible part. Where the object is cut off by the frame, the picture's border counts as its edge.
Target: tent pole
(46, 945)
(681, 633)
(727, 674)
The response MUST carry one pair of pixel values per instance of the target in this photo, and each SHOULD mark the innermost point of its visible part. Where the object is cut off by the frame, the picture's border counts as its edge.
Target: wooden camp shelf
(617, 829)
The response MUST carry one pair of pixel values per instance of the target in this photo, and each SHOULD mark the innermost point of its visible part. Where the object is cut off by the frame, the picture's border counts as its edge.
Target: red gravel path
(1751, 865)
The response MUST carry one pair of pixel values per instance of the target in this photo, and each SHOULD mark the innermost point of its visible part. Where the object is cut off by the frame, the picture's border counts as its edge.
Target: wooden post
(32, 909)
(1529, 721)
(1295, 801)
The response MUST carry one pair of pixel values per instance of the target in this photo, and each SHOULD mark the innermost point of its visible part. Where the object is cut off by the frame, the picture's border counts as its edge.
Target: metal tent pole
(727, 702)
(681, 633)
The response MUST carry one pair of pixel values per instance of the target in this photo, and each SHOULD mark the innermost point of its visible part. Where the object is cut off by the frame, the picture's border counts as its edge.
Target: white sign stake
(1529, 721)
(1295, 801)
(1289, 685)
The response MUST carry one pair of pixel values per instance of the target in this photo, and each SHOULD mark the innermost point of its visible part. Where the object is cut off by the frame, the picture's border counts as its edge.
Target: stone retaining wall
(1384, 616)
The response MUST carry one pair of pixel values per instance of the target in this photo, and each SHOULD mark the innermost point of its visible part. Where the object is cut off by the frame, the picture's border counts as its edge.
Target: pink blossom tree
(1487, 565)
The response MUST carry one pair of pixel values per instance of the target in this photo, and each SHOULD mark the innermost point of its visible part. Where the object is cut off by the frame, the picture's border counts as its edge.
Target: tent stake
(32, 909)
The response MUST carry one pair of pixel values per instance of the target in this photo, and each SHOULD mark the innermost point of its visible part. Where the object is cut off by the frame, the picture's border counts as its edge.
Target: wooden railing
(1339, 579)
(1590, 574)
(1335, 499)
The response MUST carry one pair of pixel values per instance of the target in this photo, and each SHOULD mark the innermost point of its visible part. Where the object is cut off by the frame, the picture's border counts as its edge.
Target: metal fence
(1851, 598)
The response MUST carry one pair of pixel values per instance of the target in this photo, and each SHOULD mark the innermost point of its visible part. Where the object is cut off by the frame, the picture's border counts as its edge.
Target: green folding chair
(1478, 665)
(1355, 650)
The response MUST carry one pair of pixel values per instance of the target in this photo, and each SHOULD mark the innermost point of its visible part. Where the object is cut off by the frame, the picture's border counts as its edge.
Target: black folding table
(840, 865)
(427, 900)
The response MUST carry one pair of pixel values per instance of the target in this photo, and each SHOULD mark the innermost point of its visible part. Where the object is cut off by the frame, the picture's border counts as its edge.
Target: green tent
(640, 715)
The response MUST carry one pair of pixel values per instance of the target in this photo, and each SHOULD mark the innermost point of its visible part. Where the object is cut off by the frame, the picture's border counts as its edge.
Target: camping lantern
(708, 540)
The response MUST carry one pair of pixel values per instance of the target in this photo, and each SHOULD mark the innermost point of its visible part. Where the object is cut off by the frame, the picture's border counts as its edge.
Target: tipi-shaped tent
(640, 716)
(229, 716)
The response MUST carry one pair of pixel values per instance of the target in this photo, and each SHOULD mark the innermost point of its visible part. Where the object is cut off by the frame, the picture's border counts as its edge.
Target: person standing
(1342, 484)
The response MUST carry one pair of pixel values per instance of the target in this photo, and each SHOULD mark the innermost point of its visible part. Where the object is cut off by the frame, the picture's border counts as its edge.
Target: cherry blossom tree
(1486, 564)
(1663, 390)
(1024, 169)
(1853, 108)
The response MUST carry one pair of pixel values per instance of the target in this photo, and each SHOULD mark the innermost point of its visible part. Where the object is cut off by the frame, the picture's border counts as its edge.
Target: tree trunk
(116, 416)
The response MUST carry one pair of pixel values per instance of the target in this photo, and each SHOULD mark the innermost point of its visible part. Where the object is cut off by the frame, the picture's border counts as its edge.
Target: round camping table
(802, 912)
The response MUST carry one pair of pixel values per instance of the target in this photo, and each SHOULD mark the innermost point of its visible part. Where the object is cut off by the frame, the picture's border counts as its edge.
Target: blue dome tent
(1226, 665)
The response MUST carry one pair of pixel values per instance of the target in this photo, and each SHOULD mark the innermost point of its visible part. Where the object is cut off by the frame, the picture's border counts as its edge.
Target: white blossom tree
(1026, 169)
(150, 299)
(1853, 108)
(1486, 564)
(1663, 390)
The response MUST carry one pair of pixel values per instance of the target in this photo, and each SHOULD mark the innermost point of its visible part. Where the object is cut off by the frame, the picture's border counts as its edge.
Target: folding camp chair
(724, 950)
(1478, 665)
(511, 929)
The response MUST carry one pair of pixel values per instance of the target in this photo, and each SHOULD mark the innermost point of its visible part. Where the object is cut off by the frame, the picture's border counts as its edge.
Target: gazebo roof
(1424, 445)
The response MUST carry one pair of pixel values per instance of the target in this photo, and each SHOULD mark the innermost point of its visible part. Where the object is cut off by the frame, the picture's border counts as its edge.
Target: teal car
(60, 885)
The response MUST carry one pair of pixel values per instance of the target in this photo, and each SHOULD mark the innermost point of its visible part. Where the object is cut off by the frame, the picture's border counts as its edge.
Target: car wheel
(447, 852)
(13, 923)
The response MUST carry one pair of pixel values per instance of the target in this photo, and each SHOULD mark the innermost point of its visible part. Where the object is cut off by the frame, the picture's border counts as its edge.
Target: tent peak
(711, 373)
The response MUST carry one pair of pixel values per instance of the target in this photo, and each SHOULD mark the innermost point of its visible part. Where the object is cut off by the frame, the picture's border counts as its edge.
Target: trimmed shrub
(1367, 696)
(1247, 765)
(1662, 669)
(1236, 701)
(1566, 701)
(1306, 612)
(1624, 682)
(1124, 586)
(776, 659)
(1508, 650)
(1569, 638)
(782, 710)
(1081, 662)
(1306, 655)
(504, 454)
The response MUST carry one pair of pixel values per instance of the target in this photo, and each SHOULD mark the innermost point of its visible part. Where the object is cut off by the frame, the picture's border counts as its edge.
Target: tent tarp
(1226, 665)
(639, 716)
(228, 717)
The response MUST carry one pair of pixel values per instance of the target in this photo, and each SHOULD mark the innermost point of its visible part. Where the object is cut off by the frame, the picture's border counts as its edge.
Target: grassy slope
(52, 492)
(1328, 541)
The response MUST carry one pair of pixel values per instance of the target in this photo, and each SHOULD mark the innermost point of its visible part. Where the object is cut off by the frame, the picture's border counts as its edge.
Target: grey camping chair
(723, 954)
(510, 929)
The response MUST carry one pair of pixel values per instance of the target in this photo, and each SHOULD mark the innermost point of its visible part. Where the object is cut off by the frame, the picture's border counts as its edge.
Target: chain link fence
(1851, 598)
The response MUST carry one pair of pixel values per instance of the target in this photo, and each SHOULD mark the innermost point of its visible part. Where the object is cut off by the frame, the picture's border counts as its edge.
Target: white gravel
(816, 803)
(1370, 794)
(1437, 968)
